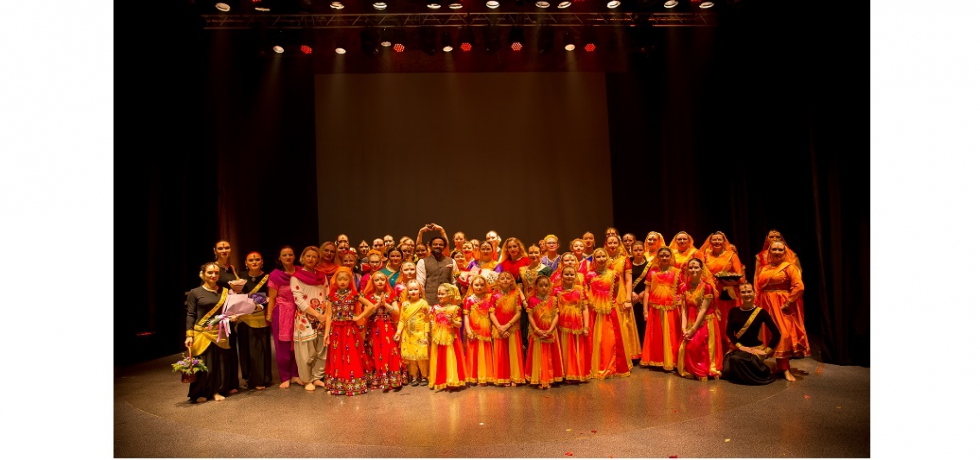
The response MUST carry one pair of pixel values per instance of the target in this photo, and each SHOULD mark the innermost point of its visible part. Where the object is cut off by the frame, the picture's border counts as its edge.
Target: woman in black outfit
(745, 362)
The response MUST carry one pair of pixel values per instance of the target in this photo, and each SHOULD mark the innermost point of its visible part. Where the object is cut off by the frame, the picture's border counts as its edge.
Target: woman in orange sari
(762, 259)
(721, 257)
(602, 291)
(651, 244)
(660, 301)
(778, 285)
(700, 355)
(683, 247)
(621, 264)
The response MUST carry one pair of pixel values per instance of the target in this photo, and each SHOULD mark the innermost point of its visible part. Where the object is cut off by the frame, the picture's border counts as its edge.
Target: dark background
(759, 123)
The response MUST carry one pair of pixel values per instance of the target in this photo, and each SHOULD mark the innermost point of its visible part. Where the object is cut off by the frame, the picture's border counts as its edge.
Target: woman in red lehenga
(345, 358)
(721, 257)
(660, 306)
(762, 259)
(479, 346)
(543, 365)
(573, 325)
(447, 367)
(602, 291)
(701, 355)
(381, 349)
(778, 285)
(508, 352)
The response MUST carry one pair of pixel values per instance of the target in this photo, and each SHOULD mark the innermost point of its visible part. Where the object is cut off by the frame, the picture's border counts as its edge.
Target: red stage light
(465, 46)
(516, 46)
(590, 47)
(306, 49)
(398, 47)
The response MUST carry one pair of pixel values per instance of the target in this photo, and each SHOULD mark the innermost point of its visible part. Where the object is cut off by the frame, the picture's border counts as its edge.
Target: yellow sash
(256, 318)
(203, 337)
(738, 335)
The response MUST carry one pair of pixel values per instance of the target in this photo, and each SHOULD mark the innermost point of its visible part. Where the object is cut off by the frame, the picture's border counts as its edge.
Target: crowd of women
(353, 320)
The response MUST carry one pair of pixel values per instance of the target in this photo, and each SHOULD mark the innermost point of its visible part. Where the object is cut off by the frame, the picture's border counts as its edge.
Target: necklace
(206, 288)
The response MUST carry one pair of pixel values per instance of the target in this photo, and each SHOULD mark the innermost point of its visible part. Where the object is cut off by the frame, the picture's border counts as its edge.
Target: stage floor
(649, 414)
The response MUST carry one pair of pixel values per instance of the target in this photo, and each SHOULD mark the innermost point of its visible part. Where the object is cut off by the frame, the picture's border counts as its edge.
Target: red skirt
(702, 357)
(345, 360)
(662, 338)
(509, 359)
(447, 367)
(543, 364)
(479, 362)
(384, 355)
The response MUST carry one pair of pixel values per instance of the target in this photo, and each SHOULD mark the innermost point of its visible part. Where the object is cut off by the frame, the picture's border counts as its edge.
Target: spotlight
(222, 7)
(427, 39)
(706, 5)
(433, 5)
(370, 40)
(278, 49)
(447, 41)
(613, 4)
(493, 4)
(466, 38)
(307, 39)
(379, 5)
(491, 39)
(455, 6)
(546, 39)
(386, 36)
(398, 39)
(590, 39)
(670, 3)
(340, 45)
(569, 39)
(305, 49)
(399, 48)
(565, 4)
(516, 38)
(278, 42)
(542, 4)
(337, 5)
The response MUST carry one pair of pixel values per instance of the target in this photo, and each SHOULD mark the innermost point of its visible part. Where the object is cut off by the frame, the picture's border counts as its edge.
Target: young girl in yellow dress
(413, 333)
(602, 289)
(447, 368)
(508, 353)
(543, 365)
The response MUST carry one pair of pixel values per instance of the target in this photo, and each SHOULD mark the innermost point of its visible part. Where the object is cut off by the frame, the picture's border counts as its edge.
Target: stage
(825, 413)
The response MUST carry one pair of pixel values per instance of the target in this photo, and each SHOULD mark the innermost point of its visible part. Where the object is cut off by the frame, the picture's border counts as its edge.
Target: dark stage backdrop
(742, 128)
(525, 154)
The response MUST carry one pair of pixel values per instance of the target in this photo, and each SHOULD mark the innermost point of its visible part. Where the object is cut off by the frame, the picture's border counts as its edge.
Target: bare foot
(318, 383)
(284, 384)
(789, 376)
(296, 380)
(201, 399)
(260, 388)
(310, 387)
(232, 391)
(218, 397)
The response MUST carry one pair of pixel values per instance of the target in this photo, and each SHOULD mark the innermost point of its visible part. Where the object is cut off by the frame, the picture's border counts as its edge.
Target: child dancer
(379, 342)
(573, 326)
(476, 319)
(448, 368)
(608, 354)
(660, 310)
(345, 363)
(413, 333)
(543, 364)
(506, 316)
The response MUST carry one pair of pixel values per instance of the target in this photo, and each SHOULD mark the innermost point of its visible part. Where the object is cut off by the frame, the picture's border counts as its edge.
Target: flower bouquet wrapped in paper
(235, 306)
(260, 299)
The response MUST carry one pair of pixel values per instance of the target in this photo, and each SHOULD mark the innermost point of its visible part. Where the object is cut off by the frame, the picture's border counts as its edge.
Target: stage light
(222, 7)
(399, 48)
(398, 39)
(386, 37)
(706, 5)
(447, 41)
(306, 49)
(491, 39)
(466, 38)
(379, 5)
(455, 6)
(590, 39)
(337, 6)
(569, 39)
(433, 5)
(670, 3)
(259, 8)
(307, 39)
(542, 4)
(613, 4)
(493, 4)
(427, 40)
(563, 5)
(370, 40)
(516, 38)
(278, 42)
(545, 39)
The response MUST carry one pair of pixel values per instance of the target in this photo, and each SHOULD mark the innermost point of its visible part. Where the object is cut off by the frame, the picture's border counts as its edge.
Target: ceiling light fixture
(565, 4)
(613, 4)
(493, 4)
(670, 3)
(379, 5)
(337, 6)
(542, 4)
(223, 7)
(516, 38)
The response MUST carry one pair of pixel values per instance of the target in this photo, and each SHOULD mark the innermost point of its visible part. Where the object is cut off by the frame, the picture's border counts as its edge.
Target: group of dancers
(447, 314)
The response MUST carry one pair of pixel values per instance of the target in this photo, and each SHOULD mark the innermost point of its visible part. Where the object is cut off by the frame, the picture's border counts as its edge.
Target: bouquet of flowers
(188, 366)
(236, 305)
(260, 299)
